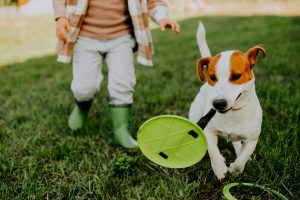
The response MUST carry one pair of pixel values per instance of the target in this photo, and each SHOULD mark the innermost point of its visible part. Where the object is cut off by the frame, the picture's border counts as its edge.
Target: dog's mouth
(225, 111)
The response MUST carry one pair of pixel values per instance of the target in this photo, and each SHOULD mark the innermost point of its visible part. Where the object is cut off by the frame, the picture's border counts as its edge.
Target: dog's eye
(213, 77)
(235, 77)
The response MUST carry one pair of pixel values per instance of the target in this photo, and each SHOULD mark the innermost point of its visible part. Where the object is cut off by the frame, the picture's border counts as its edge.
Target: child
(93, 31)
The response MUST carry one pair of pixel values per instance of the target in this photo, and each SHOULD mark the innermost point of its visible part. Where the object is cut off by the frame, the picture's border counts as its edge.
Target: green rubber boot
(121, 120)
(79, 115)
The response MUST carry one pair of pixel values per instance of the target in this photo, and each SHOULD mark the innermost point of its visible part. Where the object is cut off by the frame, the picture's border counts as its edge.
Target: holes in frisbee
(193, 134)
(163, 155)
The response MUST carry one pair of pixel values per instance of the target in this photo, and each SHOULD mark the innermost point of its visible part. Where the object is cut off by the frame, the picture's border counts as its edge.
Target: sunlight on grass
(22, 38)
(26, 37)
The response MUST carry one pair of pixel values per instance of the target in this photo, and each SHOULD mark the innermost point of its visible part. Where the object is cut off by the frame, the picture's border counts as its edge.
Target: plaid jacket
(139, 11)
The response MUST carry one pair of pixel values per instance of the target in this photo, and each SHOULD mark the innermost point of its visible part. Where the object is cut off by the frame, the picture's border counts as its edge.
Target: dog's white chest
(229, 129)
(235, 126)
(231, 136)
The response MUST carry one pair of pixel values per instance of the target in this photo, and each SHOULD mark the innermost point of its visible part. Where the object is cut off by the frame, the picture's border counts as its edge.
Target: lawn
(41, 159)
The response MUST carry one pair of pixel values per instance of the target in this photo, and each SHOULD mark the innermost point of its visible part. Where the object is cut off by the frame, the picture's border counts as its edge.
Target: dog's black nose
(220, 104)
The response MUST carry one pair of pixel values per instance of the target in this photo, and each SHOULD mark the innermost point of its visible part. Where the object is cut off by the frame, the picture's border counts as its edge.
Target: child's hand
(166, 23)
(63, 27)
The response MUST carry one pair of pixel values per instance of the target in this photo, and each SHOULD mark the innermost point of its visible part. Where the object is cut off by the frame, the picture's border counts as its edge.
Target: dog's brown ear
(200, 64)
(253, 53)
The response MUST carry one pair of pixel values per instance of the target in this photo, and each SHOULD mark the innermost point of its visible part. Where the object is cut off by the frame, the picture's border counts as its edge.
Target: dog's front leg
(237, 147)
(217, 160)
(237, 167)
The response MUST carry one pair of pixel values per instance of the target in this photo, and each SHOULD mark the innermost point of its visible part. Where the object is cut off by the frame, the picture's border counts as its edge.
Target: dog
(228, 89)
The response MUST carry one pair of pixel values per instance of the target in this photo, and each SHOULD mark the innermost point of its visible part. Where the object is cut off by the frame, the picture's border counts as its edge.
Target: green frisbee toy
(228, 196)
(172, 141)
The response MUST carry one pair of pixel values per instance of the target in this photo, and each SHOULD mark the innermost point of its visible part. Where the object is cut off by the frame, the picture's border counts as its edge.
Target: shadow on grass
(40, 157)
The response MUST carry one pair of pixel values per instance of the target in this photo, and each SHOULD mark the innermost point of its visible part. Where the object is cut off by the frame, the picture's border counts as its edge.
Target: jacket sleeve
(59, 7)
(158, 10)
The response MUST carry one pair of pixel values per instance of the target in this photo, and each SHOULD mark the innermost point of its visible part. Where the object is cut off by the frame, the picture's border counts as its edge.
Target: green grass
(40, 158)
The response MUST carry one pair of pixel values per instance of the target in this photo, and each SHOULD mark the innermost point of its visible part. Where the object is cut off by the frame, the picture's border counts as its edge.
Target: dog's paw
(235, 169)
(220, 170)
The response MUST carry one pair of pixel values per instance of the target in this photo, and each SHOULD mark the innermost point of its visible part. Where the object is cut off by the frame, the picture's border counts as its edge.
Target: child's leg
(86, 81)
(121, 82)
(87, 64)
(121, 75)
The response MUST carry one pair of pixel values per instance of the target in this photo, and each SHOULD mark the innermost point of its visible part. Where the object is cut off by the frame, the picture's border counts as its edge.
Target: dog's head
(229, 75)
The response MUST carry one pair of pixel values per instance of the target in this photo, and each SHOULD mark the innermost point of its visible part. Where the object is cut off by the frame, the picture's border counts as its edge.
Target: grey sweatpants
(87, 68)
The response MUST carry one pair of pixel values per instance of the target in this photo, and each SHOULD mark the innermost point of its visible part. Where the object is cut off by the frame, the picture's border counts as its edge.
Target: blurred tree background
(8, 2)
(20, 2)
(12, 2)
(196, 5)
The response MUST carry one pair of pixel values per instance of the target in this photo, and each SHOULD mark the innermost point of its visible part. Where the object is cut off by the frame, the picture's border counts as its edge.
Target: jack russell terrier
(229, 97)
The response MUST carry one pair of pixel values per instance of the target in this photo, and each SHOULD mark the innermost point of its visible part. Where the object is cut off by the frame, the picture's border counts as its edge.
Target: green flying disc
(172, 141)
(228, 196)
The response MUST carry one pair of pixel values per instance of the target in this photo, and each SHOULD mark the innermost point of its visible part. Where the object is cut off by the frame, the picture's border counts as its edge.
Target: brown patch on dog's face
(240, 68)
(211, 73)
(241, 64)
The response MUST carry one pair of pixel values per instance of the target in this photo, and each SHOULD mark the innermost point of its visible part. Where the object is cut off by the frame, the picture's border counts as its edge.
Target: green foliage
(8, 2)
(41, 159)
